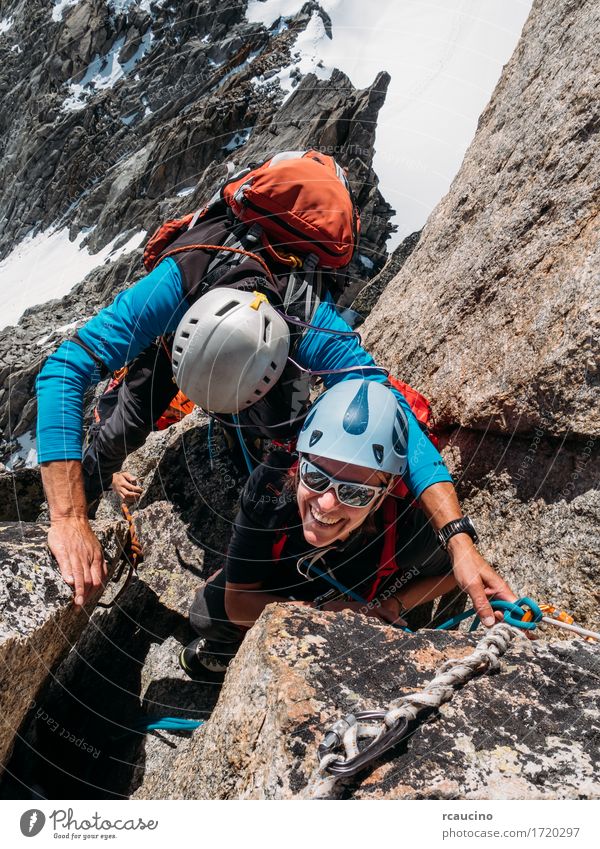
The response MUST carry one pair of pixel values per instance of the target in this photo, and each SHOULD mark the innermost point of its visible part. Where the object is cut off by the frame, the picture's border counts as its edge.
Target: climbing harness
(340, 753)
(132, 554)
(305, 566)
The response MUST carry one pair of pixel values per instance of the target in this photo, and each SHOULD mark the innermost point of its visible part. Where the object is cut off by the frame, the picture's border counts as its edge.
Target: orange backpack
(300, 201)
(178, 409)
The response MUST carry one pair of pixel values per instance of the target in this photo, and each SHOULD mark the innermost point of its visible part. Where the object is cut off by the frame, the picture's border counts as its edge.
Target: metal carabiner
(344, 769)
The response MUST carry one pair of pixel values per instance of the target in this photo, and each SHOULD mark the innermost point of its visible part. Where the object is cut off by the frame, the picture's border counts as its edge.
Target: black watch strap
(457, 526)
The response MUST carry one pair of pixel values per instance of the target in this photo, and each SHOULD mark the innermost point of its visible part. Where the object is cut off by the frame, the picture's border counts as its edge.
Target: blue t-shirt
(153, 307)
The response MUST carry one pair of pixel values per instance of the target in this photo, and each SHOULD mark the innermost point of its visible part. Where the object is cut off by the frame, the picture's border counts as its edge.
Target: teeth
(320, 517)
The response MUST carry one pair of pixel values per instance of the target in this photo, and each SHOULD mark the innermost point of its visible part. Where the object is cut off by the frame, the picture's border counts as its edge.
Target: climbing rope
(148, 723)
(131, 555)
(340, 753)
(245, 452)
(168, 723)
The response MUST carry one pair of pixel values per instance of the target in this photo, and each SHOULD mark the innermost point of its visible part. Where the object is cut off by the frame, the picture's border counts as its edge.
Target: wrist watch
(457, 526)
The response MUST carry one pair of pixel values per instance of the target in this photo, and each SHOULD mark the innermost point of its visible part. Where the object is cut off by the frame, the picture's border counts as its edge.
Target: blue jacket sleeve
(150, 308)
(320, 351)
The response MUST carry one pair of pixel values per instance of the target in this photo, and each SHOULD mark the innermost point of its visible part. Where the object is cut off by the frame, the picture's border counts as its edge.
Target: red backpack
(298, 201)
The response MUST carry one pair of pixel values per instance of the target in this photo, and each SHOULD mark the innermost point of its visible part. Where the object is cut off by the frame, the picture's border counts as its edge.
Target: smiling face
(325, 519)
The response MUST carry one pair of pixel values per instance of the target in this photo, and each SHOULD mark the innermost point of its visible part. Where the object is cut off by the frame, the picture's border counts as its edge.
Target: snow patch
(5, 25)
(306, 58)
(123, 6)
(16, 48)
(61, 331)
(239, 140)
(104, 72)
(182, 193)
(24, 457)
(266, 13)
(281, 27)
(47, 266)
(60, 7)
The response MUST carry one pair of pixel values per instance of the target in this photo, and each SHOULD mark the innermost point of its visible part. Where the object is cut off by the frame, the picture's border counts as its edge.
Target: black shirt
(268, 540)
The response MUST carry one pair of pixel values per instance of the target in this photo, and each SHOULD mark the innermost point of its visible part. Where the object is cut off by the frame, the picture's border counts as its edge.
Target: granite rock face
(38, 622)
(495, 316)
(199, 89)
(502, 736)
(370, 294)
(536, 506)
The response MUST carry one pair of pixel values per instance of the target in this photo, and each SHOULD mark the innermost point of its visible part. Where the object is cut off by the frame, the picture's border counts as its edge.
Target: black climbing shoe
(200, 657)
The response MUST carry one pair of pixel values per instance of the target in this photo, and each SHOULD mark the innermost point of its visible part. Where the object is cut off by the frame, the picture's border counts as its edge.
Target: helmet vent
(266, 379)
(226, 308)
(193, 321)
(274, 366)
(356, 417)
(179, 349)
(314, 437)
(185, 334)
(378, 452)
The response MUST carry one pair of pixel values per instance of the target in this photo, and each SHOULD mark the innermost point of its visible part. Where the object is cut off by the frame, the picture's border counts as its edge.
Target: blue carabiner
(513, 612)
(517, 610)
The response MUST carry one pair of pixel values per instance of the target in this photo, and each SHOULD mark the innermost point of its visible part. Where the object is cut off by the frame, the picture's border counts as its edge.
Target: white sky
(444, 59)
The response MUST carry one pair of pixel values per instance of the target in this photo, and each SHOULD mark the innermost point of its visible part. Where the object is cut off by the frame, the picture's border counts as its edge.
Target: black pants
(421, 557)
(127, 416)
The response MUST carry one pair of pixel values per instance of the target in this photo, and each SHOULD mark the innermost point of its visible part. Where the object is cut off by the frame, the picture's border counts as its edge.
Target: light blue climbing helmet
(360, 422)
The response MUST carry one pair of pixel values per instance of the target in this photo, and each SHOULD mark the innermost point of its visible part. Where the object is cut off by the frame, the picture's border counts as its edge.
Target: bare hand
(126, 486)
(79, 556)
(476, 577)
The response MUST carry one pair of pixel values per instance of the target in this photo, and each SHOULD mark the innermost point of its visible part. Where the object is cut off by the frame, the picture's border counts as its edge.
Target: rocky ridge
(203, 91)
(530, 483)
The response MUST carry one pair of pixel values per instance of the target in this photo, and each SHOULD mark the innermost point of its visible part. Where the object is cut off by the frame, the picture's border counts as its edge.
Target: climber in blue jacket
(272, 403)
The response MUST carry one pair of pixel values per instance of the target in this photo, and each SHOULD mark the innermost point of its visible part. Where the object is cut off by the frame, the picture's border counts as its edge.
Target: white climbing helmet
(230, 348)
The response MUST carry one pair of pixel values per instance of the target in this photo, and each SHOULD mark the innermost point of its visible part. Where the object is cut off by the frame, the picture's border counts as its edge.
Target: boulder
(84, 740)
(495, 316)
(528, 731)
(535, 505)
(38, 621)
(21, 495)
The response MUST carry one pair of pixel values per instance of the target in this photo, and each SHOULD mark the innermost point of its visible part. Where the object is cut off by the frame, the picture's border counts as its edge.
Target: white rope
(452, 674)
